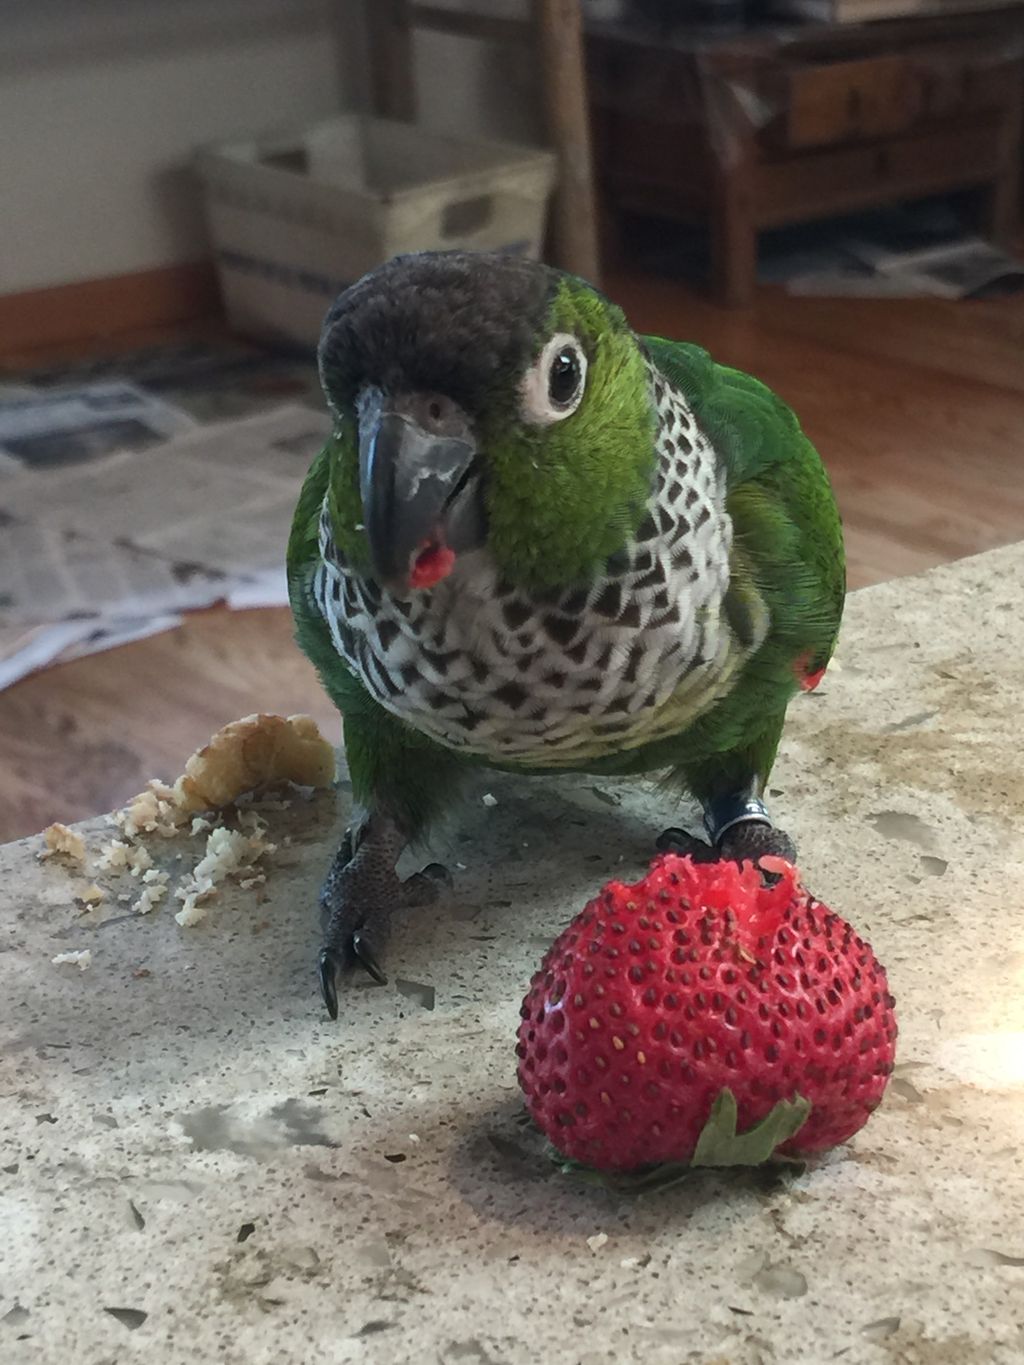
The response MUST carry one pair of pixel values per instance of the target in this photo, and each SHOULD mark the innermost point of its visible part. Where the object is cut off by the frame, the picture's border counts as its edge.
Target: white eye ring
(536, 404)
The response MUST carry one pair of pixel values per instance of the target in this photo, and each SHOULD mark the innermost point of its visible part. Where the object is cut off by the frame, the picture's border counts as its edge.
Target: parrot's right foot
(739, 829)
(361, 893)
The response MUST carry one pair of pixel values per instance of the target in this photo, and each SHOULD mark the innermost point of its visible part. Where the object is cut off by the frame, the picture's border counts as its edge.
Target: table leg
(731, 142)
(392, 77)
(564, 91)
(1003, 208)
(733, 238)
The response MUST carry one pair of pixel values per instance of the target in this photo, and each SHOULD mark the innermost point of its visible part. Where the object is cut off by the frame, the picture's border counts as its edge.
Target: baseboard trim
(95, 309)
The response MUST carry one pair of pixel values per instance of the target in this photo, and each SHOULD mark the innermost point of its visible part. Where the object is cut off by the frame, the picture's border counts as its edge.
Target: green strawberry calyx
(719, 1145)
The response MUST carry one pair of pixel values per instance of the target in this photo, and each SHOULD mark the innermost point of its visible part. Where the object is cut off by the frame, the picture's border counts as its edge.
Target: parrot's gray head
(448, 322)
(477, 394)
(416, 350)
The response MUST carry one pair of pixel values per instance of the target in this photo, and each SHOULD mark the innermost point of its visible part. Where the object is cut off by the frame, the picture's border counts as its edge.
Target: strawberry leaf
(645, 1181)
(719, 1143)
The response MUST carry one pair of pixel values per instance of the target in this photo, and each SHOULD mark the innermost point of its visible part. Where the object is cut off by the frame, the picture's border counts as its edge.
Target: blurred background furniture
(767, 125)
(556, 29)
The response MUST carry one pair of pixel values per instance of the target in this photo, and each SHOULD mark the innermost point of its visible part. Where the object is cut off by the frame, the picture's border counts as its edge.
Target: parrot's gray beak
(421, 488)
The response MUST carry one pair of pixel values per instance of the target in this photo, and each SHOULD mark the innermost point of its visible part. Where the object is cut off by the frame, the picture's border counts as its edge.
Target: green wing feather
(787, 552)
(787, 529)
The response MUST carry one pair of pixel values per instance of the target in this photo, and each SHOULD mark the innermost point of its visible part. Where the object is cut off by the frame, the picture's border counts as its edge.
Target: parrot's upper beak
(421, 487)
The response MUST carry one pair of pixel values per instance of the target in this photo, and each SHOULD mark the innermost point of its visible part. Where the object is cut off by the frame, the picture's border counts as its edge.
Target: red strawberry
(697, 980)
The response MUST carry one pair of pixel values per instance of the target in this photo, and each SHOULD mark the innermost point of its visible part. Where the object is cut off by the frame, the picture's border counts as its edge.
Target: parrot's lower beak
(421, 488)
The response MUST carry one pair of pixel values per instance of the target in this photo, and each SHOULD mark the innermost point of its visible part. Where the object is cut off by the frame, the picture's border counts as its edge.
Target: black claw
(685, 845)
(671, 839)
(364, 954)
(437, 872)
(329, 965)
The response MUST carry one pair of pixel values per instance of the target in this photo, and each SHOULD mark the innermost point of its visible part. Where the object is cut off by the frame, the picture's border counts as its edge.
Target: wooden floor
(917, 408)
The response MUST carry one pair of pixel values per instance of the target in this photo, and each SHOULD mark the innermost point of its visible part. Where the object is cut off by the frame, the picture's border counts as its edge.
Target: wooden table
(781, 124)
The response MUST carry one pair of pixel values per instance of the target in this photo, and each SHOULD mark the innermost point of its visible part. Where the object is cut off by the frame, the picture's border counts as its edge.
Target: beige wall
(468, 86)
(102, 101)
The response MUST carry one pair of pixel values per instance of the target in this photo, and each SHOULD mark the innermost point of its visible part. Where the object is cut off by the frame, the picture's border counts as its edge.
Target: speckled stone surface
(186, 1140)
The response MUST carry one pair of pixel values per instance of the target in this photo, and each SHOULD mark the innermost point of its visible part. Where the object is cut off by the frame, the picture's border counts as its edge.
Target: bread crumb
(119, 855)
(114, 856)
(151, 897)
(152, 812)
(489, 800)
(228, 851)
(140, 860)
(141, 814)
(81, 960)
(596, 1242)
(199, 826)
(60, 839)
(190, 913)
(92, 895)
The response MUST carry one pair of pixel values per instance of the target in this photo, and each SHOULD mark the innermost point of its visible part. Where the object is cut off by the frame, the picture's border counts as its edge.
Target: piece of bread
(59, 839)
(254, 752)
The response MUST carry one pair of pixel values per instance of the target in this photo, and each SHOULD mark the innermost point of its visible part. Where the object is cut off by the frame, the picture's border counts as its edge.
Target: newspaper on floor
(96, 552)
(960, 269)
(51, 429)
(907, 251)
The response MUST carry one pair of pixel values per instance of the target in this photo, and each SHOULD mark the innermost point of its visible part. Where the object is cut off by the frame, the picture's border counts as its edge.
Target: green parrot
(540, 542)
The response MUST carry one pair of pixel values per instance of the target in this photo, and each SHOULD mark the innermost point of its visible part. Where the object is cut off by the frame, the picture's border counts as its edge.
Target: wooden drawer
(845, 178)
(962, 81)
(850, 101)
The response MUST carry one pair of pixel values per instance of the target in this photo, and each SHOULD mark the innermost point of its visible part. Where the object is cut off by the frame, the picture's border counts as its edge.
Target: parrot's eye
(553, 385)
(564, 377)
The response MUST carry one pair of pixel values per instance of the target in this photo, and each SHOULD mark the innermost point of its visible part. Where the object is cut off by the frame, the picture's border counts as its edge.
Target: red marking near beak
(808, 681)
(433, 563)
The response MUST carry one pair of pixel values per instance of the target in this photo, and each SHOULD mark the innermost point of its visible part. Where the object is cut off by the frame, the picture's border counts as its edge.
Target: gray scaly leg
(360, 895)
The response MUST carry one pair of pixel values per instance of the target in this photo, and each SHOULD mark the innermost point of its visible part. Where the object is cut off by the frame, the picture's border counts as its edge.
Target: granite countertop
(196, 1165)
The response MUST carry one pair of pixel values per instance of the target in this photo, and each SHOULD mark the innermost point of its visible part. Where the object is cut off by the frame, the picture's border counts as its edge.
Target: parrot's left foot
(739, 829)
(361, 893)
(753, 839)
